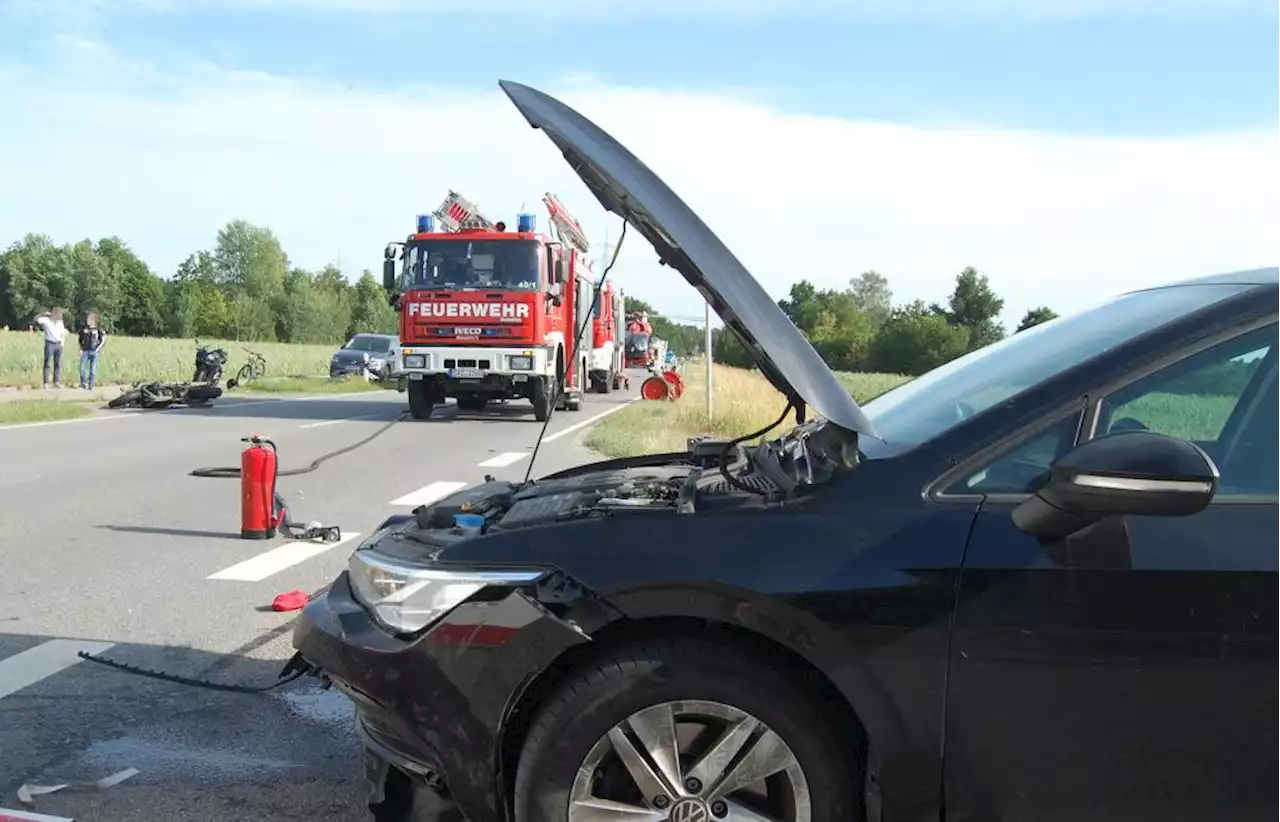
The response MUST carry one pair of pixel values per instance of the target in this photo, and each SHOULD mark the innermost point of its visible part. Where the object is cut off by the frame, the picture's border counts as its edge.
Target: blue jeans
(89, 364)
(53, 355)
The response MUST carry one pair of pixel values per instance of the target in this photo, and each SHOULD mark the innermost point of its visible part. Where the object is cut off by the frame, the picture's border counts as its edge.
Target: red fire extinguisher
(258, 489)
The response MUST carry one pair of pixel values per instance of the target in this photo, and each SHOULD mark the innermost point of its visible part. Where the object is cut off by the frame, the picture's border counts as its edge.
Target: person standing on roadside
(54, 335)
(92, 338)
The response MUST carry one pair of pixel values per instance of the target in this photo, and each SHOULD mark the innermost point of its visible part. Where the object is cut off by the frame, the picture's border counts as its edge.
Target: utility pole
(707, 346)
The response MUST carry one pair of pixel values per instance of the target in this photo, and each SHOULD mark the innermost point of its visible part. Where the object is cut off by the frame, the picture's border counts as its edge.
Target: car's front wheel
(684, 730)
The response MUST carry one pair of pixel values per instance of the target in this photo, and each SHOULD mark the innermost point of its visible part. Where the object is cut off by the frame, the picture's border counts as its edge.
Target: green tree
(249, 261)
(189, 294)
(727, 349)
(975, 306)
(212, 316)
(370, 311)
(873, 297)
(1035, 316)
(97, 285)
(37, 276)
(252, 318)
(141, 302)
(916, 339)
(833, 322)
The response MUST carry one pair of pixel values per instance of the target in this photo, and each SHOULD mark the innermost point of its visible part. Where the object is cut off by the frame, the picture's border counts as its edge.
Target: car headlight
(407, 598)
(415, 361)
(520, 362)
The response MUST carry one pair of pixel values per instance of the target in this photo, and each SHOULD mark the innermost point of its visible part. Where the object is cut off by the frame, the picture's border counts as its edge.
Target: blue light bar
(526, 223)
(426, 223)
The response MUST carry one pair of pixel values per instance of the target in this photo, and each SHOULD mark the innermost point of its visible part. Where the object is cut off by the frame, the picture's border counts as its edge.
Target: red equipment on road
(258, 489)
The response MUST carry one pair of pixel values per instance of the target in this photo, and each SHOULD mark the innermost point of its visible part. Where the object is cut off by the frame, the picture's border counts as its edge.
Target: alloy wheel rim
(690, 761)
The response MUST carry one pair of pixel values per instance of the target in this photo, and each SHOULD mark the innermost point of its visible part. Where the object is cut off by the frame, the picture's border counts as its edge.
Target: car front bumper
(435, 706)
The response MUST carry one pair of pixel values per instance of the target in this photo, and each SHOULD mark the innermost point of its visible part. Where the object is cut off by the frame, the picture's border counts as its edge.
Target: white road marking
(503, 460)
(429, 493)
(15, 426)
(563, 431)
(335, 422)
(276, 560)
(46, 659)
(249, 402)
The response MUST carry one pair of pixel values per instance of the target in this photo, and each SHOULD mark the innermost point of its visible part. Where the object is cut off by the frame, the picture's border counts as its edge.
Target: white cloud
(165, 157)
(867, 10)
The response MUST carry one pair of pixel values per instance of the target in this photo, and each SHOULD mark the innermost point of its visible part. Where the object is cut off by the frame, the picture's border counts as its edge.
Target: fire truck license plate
(467, 373)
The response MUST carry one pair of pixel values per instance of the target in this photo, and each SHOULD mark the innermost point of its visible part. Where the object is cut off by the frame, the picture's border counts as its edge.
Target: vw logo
(689, 810)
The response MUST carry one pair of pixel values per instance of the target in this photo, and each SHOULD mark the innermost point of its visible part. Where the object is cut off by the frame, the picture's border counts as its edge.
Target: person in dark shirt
(92, 338)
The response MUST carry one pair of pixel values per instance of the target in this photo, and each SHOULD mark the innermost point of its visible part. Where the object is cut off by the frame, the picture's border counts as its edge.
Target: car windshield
(509, 265)
(637, 341)
(375, 345)
(934, 402)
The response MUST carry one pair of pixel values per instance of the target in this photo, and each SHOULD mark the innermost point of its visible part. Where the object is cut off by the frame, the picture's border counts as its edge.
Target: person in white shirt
(54, 335)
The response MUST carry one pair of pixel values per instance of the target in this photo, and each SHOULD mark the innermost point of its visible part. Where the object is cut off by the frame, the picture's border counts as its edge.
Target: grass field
(126, 360)
(742, 401)
(19, 411)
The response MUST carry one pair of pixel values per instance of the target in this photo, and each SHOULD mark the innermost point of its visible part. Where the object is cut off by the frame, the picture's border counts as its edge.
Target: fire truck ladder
(567, 228)
(457, 212)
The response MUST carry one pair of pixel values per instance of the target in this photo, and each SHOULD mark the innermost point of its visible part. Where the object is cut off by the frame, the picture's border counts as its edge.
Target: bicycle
(254, 369)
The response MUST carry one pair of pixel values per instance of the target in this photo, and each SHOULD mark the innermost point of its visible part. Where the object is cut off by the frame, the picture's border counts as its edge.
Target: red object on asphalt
(654, 388)
(290, 601)
(257, 490)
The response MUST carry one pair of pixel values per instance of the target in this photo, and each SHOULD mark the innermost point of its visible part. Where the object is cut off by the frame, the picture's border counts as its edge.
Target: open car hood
(627, 187)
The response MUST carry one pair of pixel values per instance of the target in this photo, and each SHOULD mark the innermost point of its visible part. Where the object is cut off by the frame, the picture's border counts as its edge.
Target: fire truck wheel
(541, 400)
(419, 400)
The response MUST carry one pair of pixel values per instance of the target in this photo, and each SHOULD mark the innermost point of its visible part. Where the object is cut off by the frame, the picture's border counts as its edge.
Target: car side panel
(1125, 675)
(867, 600)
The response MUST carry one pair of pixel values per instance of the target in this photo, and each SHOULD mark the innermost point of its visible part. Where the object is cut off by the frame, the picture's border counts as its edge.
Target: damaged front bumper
(435, 706)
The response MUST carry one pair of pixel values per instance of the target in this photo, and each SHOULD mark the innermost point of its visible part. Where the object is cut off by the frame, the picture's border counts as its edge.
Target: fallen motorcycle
(203, 389)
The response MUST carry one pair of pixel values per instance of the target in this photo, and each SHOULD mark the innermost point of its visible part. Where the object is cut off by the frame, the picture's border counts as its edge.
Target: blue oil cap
(526, 223)
(426, 223)
(468, 520)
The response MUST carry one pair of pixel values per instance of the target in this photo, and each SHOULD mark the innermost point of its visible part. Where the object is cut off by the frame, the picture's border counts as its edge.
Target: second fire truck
(487, 313)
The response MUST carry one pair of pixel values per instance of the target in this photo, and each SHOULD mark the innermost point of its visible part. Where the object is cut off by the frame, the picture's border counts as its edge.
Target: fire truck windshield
(510, 265)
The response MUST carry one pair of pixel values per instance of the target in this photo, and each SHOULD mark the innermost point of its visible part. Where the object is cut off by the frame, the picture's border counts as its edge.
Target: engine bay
(711, 475)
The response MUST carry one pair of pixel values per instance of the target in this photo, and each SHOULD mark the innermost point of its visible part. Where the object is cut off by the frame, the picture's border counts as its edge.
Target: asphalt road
(110, 546)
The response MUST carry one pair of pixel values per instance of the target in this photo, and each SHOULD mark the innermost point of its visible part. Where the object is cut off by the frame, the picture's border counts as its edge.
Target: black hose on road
(232, 472)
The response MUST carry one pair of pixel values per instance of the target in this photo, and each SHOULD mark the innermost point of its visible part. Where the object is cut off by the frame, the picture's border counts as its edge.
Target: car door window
(1223, 399)
(1023, 467)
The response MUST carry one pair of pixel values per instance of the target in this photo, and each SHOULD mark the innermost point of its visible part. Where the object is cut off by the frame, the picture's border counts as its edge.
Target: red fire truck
(608, 368)
(490, 314)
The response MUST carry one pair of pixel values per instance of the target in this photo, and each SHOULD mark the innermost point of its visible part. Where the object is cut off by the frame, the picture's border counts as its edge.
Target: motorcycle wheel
(127, 399)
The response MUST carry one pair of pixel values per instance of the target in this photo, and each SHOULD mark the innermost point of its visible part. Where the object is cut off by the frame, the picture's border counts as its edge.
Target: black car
(375, 353)
(1037, 583)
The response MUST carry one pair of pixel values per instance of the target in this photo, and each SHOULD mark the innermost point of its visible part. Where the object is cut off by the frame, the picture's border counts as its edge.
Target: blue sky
(1087, 70)
(1135, 72)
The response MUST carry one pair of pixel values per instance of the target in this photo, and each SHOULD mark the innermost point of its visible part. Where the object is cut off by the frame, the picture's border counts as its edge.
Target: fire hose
(280, 511)
(295, 667)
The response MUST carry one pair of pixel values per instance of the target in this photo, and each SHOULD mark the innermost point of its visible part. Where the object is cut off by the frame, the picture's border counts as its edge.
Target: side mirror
(560, 273)
(390, 252)
(1133, 472)
(389, 275)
